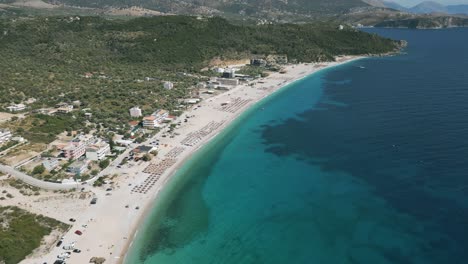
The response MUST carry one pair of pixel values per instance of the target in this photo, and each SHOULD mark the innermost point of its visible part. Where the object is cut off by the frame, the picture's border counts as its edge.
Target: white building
(192, 101)
(77, 147)
(65, 109)
(5, 135)
(135, 111)
(168, 85)
(149, 122)
(156, 119)
(16, 107)
(50, 164)
(98, 151)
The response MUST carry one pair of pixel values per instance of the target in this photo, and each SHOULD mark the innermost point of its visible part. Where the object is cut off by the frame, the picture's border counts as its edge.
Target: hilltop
(247, 7)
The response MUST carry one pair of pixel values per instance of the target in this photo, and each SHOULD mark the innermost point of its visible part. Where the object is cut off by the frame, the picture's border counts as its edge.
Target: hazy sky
(444, 2)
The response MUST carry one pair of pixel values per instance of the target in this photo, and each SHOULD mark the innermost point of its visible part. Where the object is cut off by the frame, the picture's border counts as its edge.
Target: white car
(64, 255)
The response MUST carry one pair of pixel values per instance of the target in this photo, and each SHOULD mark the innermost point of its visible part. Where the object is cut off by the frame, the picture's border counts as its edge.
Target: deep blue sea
(350, 165)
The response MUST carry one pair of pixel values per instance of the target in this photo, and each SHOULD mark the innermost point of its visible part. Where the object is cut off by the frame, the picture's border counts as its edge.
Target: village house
(5, 135)
(16, 107)
(135, 111)
(65, 109)
(45, 111)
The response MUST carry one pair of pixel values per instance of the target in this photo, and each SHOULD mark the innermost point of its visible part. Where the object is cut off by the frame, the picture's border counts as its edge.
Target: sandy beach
(109, 226)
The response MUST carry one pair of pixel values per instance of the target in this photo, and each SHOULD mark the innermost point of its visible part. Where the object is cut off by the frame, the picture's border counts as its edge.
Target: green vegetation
(146, 157)
(39, 169)
(104, 163)
(39, 128)
(21, 232)
(113, 65)
(99, 182)
(8, 145)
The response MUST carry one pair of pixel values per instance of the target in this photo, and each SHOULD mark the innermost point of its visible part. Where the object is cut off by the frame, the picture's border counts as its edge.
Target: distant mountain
(376, 3)
(395, 6)
(428, 7)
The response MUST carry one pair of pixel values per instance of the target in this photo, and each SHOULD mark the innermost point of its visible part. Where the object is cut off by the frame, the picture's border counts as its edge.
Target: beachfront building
(149, 122)
(230, 73)
(135, 111)
(228, 82)
(5, 135)
(97, 151)
(78, 167)
(16, 107)
(156, 119)
(258, 62)
(161, 115)
(77, 147)
(50, 164)
(168, 85)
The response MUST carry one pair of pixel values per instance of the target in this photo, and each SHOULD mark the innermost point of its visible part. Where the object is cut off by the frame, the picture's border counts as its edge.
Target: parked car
(64, 255)
(78, 232)
(76, 250)
(72, 220)
(59, 243)
(59, 261)
(94, 201)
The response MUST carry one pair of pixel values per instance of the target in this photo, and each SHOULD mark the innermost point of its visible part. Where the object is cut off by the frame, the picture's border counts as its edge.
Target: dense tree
(39, 169)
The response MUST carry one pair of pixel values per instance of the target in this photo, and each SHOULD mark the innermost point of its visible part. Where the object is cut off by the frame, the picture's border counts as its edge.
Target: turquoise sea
(362, 163)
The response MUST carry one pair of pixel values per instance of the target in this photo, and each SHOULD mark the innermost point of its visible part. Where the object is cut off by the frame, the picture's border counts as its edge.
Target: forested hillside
(48, 57)
(235, 6)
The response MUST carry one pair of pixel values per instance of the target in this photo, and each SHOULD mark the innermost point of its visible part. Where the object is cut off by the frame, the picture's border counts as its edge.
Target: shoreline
(231, 122)
(110, 228)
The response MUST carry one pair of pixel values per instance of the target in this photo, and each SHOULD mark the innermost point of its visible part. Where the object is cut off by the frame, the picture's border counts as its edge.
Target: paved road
(35, 182)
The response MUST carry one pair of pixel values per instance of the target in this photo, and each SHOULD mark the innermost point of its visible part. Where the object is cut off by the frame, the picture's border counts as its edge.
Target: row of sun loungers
(235, 105)
(175, 152)
(147, 184)
(159, 168)
(195, 137)
(155, 171)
